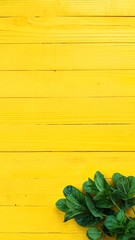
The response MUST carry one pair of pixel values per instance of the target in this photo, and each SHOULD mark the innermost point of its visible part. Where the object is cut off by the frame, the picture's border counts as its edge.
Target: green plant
(102, 206)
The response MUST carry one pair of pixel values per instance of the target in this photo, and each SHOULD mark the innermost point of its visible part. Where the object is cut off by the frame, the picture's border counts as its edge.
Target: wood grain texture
(29, 203)
(66, 30)
(24, 176)
(67, 8)
(36, 220)
(67, 56)
(27, 166)
(67, 101)
(67, 138)
(41, 236)
(67, 84)
(67, 111)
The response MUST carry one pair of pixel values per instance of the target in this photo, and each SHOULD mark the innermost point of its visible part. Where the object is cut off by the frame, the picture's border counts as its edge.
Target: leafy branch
(102, 206)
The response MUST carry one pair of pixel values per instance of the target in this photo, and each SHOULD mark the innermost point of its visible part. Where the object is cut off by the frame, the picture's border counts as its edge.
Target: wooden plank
(67, 138)
(58, 84)
(70, 111)
(67, 7)
(67, 56)
(36, 220)
(42, 236)
(28, 8)
(66, 30)
(29, 166)
(25, 175)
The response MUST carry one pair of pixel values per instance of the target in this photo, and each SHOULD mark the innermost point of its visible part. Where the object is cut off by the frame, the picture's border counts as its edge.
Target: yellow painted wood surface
(67, 111)
(67, 138)
(67, 106)
(66, 29)
(67, 56)
(67, 8)
(67, 84)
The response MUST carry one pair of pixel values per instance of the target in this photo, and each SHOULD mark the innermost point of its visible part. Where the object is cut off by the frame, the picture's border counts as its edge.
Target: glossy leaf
(61, 205)
(90, 187)
(120, 216)
(99, 204)
(86, 219)
(90, 204)
(130, 226)
(94, 234)
(72, 202)
(123, 186)
(100, 196)
(71, 213)
(116, 196)
(112, 224)
(115, 177)
(130, 203)
(75, 192)
(131, 191)
(122, 237)
(100, 182)
(105, 203)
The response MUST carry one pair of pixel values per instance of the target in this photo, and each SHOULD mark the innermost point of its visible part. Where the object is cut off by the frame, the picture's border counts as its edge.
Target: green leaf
(130, 226)
(71, 213)
(75, 192)
(100, 196)
(112, 224)
(130, 203)
(120, 216)
(98, 205)
(94, 234)
(115, 177)
(86, 220)
(131, 191)
(100, 182)
(105, 203)
(123, 186)
(68, 190)
(61, 205)
(116, 196)
(90, 187)
(122, 237)
(72, 202)
(90, 204)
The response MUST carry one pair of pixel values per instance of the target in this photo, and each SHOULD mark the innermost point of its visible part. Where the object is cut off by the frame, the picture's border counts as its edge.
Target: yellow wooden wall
(67, 106)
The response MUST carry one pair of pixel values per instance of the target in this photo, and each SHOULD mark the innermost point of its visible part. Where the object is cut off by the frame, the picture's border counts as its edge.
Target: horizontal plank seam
(66, 70)
(91, 16)
(87, 97)
(71, 16)
(27, 206)
(68, 43)
(67, 151)
(41, 233)
(64, 124)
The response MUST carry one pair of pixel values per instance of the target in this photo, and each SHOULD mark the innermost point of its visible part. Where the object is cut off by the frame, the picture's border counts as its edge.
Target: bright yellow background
(67, 106)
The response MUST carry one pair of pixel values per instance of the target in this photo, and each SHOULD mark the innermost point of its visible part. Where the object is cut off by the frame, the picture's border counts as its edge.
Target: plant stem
(120, 209)
(115, 204)
(133, 210)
